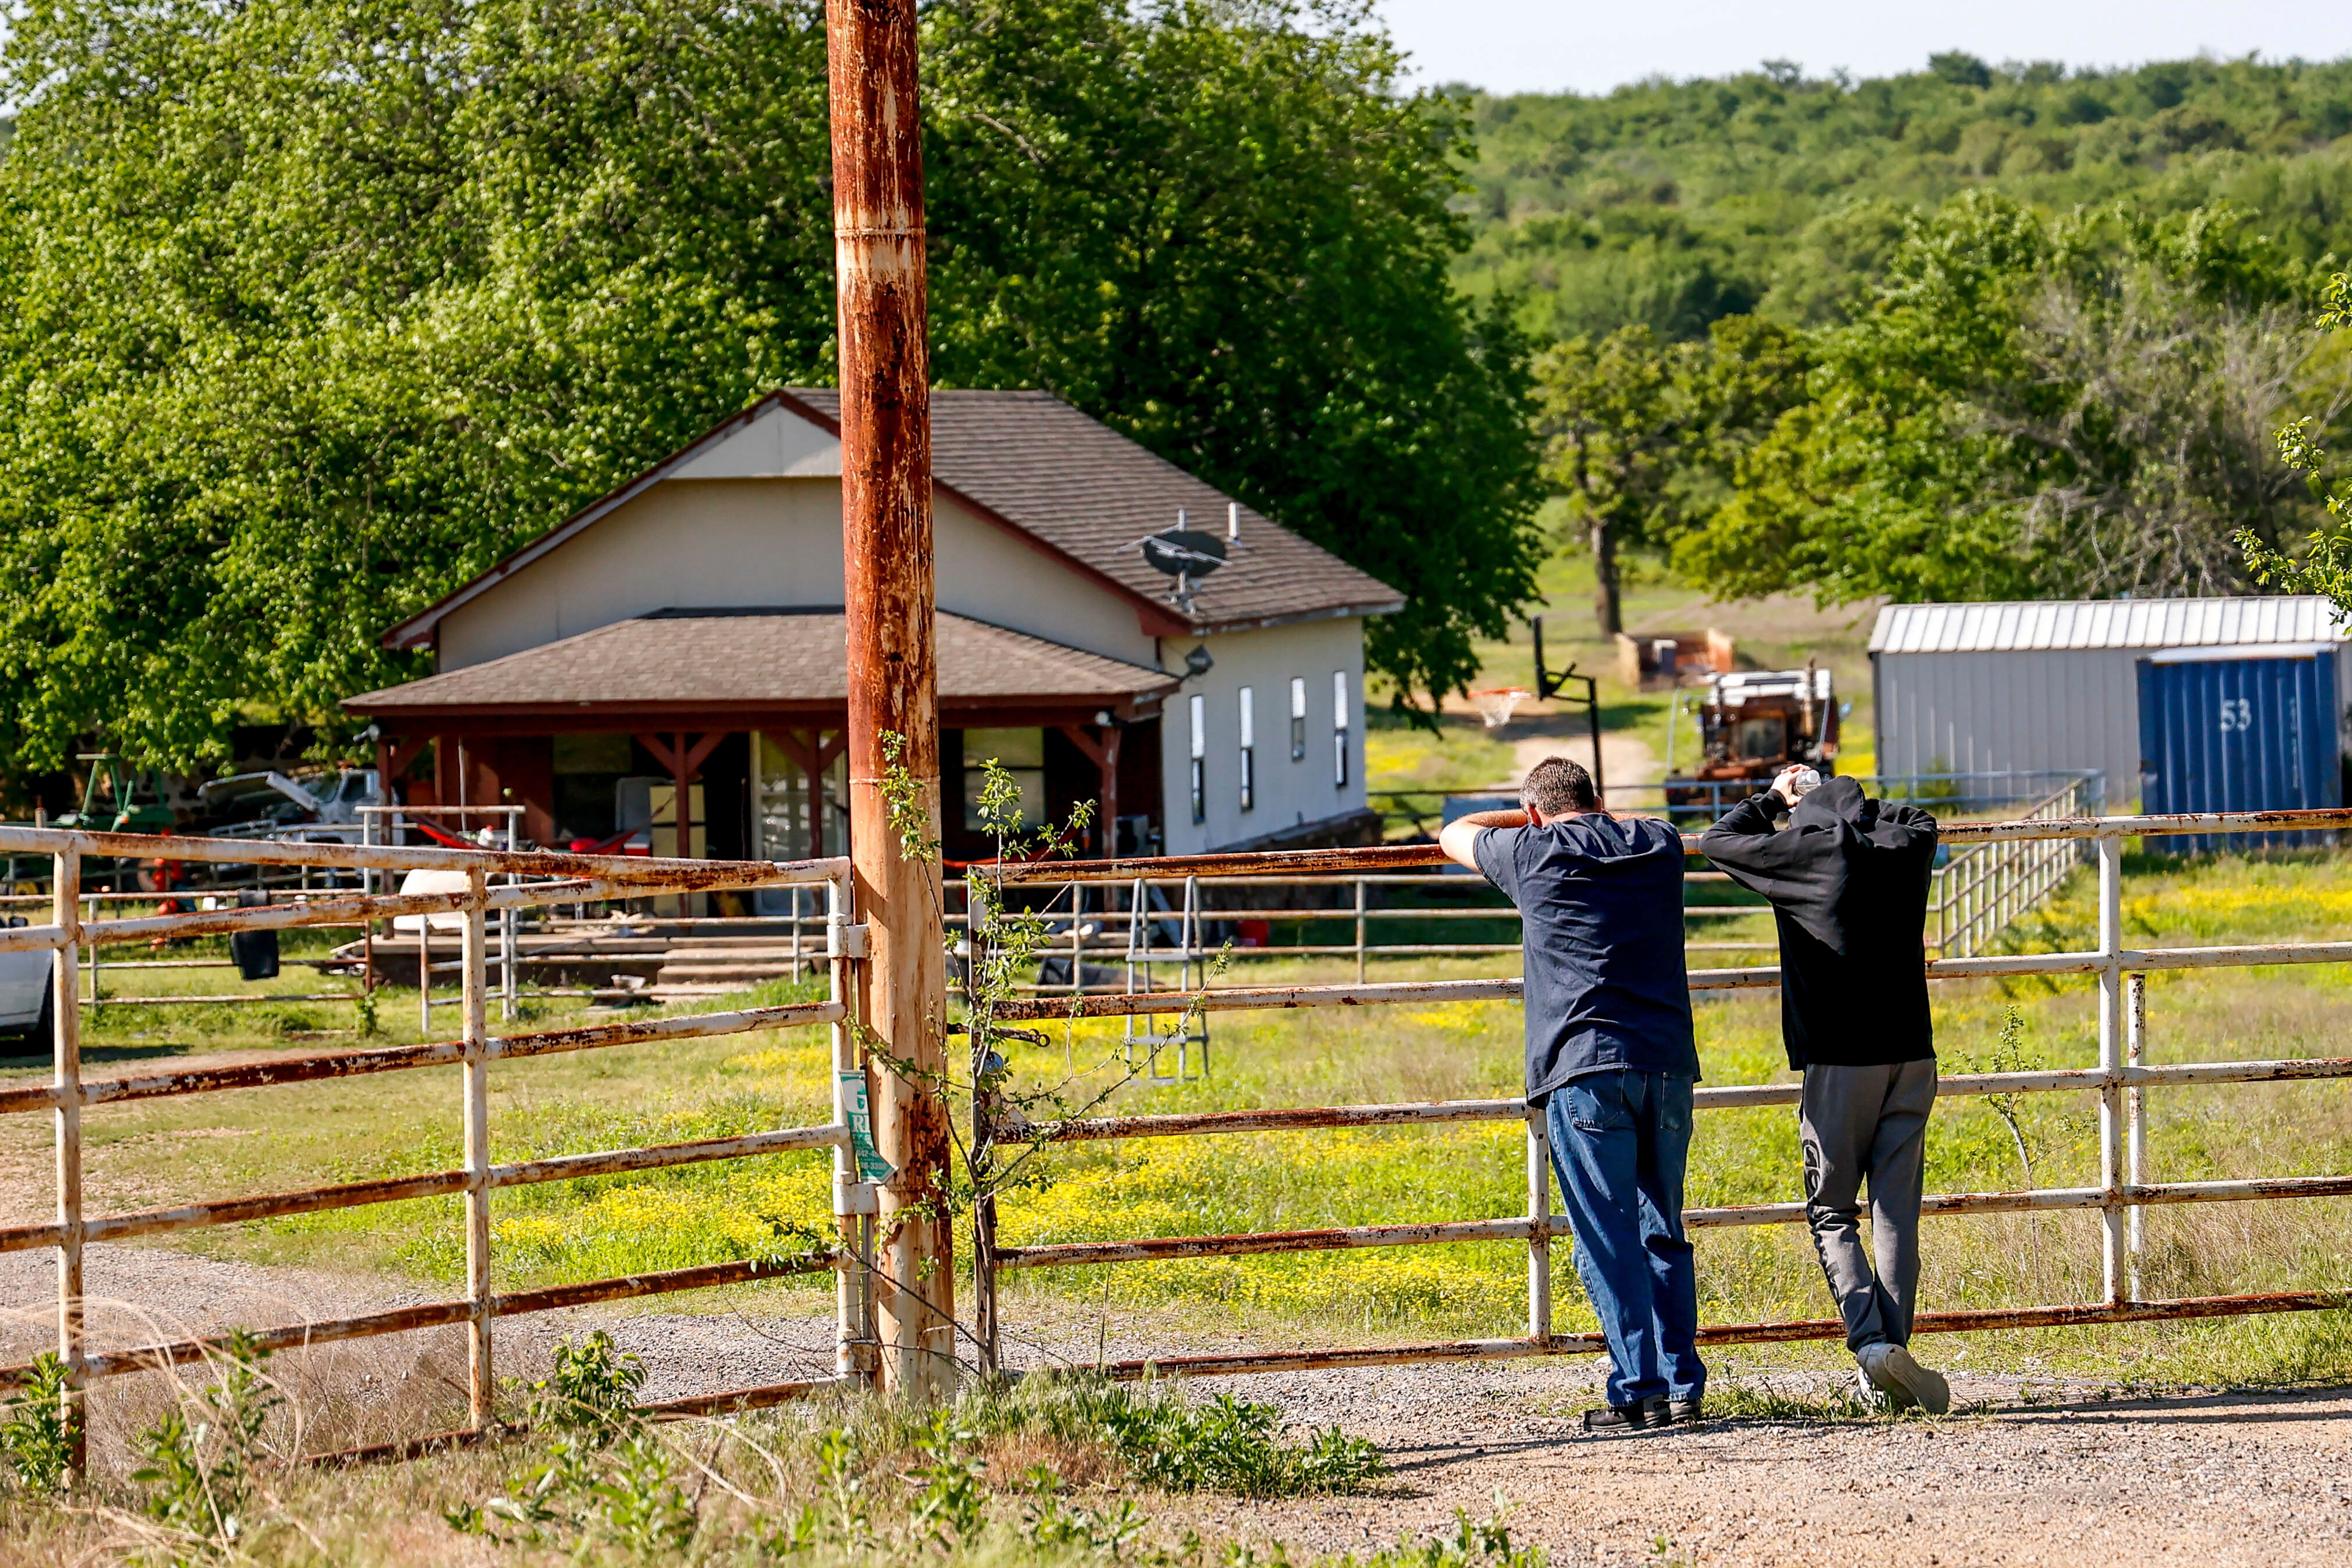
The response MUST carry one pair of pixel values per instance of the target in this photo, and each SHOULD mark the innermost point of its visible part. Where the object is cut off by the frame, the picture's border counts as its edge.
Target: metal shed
(2048, 687)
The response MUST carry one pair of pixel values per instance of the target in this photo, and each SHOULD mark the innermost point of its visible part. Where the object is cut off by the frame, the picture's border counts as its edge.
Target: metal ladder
(1188, 1032)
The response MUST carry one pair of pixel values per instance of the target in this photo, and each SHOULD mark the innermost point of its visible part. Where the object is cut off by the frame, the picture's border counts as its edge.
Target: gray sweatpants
(1858, 1123)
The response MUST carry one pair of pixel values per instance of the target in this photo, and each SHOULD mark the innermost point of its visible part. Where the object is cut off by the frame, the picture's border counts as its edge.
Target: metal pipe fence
(561, 879)
(1691, 799)
(1971, 899)
(2120, 1081)
(1976, 894)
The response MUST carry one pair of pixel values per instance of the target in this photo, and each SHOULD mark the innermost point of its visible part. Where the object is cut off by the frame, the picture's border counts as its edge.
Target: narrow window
(1339, 727)
(1249, 749)
(1297, 718)
(1199, 759)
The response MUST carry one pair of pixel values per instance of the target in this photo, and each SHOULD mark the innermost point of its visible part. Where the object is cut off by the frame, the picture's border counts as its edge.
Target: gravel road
(2047, 1475)
(2068, 1478)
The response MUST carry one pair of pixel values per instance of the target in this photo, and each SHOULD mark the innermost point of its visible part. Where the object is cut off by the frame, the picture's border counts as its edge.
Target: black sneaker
(1682, 1410)
(1644, 1415)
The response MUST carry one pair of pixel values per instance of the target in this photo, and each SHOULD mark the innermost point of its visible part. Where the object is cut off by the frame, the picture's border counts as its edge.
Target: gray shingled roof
(1093, 494)
(748, 658)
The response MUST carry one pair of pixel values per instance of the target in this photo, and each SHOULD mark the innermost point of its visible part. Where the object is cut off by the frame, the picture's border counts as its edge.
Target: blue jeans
(1620, 1140)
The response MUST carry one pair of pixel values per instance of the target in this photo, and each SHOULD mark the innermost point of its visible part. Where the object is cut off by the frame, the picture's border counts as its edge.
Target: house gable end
(780, 437)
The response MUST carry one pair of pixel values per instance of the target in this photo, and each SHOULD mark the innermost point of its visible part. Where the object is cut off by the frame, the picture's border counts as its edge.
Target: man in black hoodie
(1847, 879)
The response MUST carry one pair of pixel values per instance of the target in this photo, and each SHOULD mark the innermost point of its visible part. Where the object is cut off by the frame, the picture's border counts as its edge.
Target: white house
(684, 635)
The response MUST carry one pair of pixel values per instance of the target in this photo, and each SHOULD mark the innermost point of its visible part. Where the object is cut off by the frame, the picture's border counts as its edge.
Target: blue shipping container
(2240, 729)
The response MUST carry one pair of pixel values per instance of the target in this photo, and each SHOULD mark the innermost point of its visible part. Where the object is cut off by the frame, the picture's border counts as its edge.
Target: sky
(1540, 46)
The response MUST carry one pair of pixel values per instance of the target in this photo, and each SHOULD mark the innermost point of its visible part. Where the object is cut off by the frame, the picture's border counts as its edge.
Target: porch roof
(756, 661)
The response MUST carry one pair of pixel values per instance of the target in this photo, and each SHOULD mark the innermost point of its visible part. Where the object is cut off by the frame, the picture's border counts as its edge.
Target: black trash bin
(255, 952)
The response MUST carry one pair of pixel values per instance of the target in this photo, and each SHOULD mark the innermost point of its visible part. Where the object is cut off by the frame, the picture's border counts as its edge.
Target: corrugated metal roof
(2030, 625)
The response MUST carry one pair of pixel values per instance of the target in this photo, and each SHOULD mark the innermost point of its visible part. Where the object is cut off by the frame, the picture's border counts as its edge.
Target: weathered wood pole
(886, 524)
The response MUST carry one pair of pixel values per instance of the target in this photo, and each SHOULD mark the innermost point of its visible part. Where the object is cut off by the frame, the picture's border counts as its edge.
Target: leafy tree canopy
(1670, 203)
(2325, 566)
(1643, 438)
(2040, 408)
(308, 311)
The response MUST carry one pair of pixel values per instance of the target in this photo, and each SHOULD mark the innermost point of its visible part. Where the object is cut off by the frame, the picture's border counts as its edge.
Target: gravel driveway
(2069, 1479)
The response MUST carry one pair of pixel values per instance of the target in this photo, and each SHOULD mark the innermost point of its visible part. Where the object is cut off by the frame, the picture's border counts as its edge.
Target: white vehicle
(25, 994)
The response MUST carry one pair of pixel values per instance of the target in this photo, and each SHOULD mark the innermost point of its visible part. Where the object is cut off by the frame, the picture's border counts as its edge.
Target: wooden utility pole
(886, 522)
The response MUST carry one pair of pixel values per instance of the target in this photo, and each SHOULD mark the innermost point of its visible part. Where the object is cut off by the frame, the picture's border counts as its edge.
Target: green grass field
(221, 1145)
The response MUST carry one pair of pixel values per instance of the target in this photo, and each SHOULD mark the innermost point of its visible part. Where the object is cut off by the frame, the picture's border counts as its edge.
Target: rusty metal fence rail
(2120, 1081)
(1971, 899)
(556, 877)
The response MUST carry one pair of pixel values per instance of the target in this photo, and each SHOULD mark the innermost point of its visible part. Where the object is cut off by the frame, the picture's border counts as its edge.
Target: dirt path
(1625, 758)
(145, 1295)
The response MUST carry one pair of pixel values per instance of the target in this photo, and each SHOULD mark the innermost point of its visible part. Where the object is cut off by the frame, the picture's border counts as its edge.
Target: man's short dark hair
(1557, 786)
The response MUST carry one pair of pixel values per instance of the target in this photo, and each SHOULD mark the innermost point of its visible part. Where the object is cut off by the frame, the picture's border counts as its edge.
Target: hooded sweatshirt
(1848, 883)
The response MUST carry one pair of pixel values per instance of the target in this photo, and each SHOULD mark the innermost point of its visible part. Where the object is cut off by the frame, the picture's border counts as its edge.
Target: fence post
(65, 1010)
(2136, 1112)
(1360, 928)
(424, 972)
(367, 891)
(475, 1007)
(853, 1198)
(1539, 1227)
(509, 985)
(2111, 1062)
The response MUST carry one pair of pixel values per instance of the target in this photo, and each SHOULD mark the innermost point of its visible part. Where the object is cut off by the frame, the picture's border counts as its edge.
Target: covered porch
(739, 713)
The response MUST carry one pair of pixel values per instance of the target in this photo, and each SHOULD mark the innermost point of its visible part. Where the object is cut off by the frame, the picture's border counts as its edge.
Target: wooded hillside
(1670, 205)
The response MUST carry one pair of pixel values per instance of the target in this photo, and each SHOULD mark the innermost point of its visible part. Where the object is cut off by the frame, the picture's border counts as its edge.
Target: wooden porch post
(1103, 754)
(815, 756)
(683, 755)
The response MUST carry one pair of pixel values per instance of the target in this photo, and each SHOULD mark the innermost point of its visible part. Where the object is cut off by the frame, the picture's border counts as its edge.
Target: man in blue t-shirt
(1611, 1062)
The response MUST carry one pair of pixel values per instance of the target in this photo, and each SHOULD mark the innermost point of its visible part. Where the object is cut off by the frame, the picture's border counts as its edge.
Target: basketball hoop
(1494, 705)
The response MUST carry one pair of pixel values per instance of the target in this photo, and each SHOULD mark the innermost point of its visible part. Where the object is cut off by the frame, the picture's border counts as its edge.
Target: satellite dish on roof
(1184, 552)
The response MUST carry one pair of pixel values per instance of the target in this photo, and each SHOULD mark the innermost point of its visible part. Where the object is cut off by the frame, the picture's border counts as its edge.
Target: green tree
(1641, 437)
(2034, 409)
(1617, 423)
(1670, 202)
(313, 310)
(2325, 567)
(1224, 229)
(308, 311)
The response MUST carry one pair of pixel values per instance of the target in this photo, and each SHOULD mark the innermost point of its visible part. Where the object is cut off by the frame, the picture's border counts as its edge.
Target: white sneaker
(1904, 1380)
